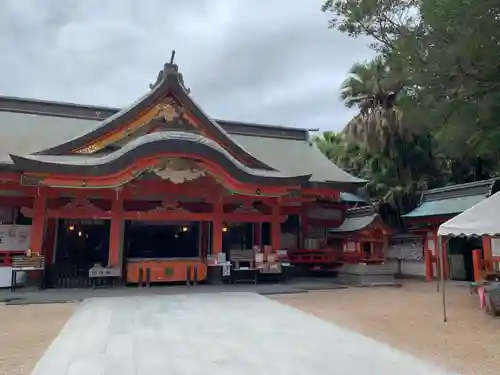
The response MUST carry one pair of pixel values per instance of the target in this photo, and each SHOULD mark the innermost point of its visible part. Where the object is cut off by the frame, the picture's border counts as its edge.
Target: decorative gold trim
(167, 110)
(168, 207)
(81, 204)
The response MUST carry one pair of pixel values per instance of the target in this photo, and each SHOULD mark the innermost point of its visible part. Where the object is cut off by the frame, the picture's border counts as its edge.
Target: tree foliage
(429, 103)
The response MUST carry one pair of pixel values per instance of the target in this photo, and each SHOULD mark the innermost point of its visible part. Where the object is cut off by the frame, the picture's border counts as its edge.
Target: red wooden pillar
(275, 226)
(429, 272)
(218, 208)
(487, 254)
(257, 234)
(38, 221)
(116, 232)
(476, 263)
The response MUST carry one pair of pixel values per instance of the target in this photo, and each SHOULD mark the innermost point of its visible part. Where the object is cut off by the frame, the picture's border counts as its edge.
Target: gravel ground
(408, 318)
(411, 319)
(25, 333)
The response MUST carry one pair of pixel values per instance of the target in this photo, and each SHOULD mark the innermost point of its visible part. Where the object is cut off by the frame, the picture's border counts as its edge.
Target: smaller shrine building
(438, 206)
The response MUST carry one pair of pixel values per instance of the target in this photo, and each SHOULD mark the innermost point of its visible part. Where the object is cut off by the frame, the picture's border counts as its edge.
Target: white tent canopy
(482, 219)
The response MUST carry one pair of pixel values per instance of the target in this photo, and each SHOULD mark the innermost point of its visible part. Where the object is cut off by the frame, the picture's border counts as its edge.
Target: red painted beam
(16, 201)
(87, 213)
(10, 177)
(130, 173)
(74, 214)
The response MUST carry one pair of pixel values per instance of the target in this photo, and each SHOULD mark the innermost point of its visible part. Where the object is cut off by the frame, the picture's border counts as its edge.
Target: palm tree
(373, 87)
(397, 160)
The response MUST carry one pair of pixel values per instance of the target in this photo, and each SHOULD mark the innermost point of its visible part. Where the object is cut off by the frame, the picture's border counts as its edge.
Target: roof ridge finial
(168, 68)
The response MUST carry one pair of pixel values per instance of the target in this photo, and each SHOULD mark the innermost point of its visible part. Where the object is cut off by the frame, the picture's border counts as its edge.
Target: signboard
(14, 237)
(226, 269)
(104, 272)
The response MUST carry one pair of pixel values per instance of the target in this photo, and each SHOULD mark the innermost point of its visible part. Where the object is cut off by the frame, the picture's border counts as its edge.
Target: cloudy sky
(272, 61)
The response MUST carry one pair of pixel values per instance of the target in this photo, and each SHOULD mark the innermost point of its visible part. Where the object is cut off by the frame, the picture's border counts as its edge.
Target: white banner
(6, 215)
(349, 247)
(495, 246)
(14, 237)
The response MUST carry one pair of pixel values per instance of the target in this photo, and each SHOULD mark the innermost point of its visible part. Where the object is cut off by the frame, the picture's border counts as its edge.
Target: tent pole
(441, 266)
(439, 255)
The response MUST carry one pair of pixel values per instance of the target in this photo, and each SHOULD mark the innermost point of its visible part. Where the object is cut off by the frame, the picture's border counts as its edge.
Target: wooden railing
(329, 256)
(67, 276)
(320, 256)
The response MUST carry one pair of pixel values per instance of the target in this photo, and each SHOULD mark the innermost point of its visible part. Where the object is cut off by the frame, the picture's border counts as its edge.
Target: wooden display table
(219, 273)
(243, 266)
(244, 275)
(27, 264)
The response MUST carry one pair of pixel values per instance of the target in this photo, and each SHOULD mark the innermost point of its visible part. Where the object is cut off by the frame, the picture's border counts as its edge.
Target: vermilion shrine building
(438, 206)
(94, 179)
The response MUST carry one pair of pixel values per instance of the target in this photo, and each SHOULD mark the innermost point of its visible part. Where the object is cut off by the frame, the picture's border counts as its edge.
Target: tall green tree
(394, 183)
(380, 143)
(448, 52)
(373, 87)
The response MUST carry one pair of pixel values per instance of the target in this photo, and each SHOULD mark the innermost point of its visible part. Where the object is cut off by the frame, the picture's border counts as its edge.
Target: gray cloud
(270, 61)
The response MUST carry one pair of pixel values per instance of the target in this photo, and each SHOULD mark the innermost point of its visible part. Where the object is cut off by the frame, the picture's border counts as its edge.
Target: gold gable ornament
(167, 112)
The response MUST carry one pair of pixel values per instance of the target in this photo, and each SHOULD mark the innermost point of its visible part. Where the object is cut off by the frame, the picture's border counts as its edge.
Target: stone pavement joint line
(226, 333)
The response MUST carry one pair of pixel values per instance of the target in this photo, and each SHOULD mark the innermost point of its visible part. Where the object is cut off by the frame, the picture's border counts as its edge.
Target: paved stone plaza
(226, 333)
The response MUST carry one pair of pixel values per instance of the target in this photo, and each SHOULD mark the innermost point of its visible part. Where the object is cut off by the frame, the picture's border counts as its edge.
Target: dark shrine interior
(82, 242)
(86, 242)
(161, 240)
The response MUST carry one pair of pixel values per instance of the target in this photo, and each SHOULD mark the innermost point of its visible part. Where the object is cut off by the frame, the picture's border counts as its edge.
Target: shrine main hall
(161, 181)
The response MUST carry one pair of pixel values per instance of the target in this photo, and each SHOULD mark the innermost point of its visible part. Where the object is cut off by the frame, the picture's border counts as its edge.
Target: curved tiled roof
(175, 143)
(169, 82)
(453, 199)
(358, 219)
(28, 126)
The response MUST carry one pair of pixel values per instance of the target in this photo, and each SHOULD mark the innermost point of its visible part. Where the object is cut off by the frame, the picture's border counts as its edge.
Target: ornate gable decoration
(247, 209)
(168, 207)
(178, 171)
(166, 111)
(179, 177)
(81, 204)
